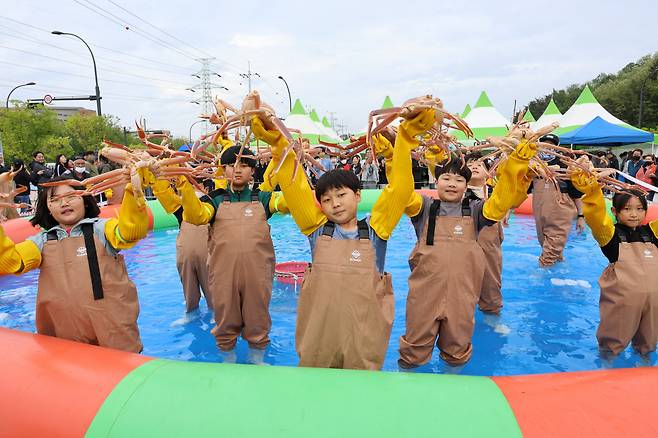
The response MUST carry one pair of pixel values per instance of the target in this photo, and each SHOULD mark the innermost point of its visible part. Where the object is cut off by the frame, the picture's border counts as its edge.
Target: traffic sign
(47, 99)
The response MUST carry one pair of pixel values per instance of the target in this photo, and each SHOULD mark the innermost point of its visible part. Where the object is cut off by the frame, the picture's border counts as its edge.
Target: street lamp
(652, 75)
(287, 88)
(98, 90)
(13, 89)
(198, 121)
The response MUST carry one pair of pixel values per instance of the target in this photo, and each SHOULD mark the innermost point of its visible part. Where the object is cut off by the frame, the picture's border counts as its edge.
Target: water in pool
(548, 322)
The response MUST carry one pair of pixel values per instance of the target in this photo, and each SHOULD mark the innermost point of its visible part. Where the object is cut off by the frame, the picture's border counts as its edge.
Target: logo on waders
(647, 254)
(458, 230)
(81, 252)
(356, 256)
(248, 212)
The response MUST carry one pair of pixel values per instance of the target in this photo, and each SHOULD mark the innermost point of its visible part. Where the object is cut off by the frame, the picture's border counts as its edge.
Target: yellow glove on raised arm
(513, 183)
(397, 194)
(194, 211)
(17, 258)
(131, 225)
(166, 195)
(594, 207)
(274, 138)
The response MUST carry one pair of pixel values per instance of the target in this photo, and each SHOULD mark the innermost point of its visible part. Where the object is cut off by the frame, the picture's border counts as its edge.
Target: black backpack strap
(178, 214)
(92, 259)
(623, 237)
(466, 207)
(645, 234)
(364, 230)
(431, 224)
(51, 235)
(328, 229)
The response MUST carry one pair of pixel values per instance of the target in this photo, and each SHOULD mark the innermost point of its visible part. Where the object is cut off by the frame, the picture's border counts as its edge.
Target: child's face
(632, 214)
(451, 187)
(478, 172)
(68, 210)
(241, 173)
(340, 205)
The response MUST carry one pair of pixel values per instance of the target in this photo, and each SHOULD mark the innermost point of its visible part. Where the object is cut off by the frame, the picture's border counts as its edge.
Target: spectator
(22, 179)
(259, 170)
(647, 173)
(40, 171)
(325, 161)
(60, 165)
(3, 167)
(104, 165)
(382, 171)
(633, 165)
(90, 163)
(613, 162)
(343, 164)
(356, 165)
(79, 171)
(369, 174)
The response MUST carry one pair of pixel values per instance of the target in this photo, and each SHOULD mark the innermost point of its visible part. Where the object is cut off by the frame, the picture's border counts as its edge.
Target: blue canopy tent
(600, 132)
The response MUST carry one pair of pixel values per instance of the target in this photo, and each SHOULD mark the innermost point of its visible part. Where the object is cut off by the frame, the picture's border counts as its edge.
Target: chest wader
(192, 263)
(85, 294)
(240, 272)
(629, 298)
(346, 307)
(444, 288)
(490, 240)
(554, 212)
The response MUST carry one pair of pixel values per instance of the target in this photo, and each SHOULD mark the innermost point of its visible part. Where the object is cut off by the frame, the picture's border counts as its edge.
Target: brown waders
(629, 298)
(240, 273)
(85, 294)
(490, 240)
(346, 307)
(554, 212)
(192, 263)
(444, 288)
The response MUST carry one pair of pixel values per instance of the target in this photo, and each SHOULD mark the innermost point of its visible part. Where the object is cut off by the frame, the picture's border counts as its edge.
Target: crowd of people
(346, 305)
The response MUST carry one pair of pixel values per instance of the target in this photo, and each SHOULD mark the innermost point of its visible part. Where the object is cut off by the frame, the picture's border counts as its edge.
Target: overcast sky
(337, 56)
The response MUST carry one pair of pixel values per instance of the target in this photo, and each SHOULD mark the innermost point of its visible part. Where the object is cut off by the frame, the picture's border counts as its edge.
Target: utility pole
(206, 85)
(332, 120)
(248, 75)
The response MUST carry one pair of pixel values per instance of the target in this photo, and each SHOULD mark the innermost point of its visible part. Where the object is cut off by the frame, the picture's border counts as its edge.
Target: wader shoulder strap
(212, 195)
(52, 235)
(92, 259)
(431, 224)
(466, 207)
(646, 234)
(328, 229)
(254, 195)
(364, 230)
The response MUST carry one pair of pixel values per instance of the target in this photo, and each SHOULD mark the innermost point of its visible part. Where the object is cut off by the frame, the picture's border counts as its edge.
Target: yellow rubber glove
(397, 194)
(194, 211)
(435, 155)
(17, 258)
(220, 181)
(298, 194)
(512, 183)
(383, 146)
(594, 207)
(166, 195)
(131, 225)
(278, 203)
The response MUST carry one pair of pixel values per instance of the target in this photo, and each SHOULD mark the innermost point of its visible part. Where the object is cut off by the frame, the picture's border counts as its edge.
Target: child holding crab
(241, 253)
(84, 293)
(346, 305)
(629, 285)
(448, 264)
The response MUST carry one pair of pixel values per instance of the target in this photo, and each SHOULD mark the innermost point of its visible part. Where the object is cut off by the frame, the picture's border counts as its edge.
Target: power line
(129, 26)
(159, 29)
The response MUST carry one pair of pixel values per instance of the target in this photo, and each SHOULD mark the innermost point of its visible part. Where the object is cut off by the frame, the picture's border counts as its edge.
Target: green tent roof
(483, 101)
(314, 116)
(483, 133)
(467, 109)
(325, 122)
(298, 108)
(552, 108)
(388, 103)
(586, 96)
(528, 117)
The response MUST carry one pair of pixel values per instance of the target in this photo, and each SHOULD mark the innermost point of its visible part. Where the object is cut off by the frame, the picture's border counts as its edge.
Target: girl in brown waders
(554, 206)
(241, 254)
(346, 306)
(447, 264)
(84, 291)
(629, 285)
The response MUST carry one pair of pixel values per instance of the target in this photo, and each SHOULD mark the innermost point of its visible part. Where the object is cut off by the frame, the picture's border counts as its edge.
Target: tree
(86, 132)
(27, 130)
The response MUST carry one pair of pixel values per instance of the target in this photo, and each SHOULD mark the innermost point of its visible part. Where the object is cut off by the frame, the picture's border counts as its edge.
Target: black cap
(550, 138)
(231, 153)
